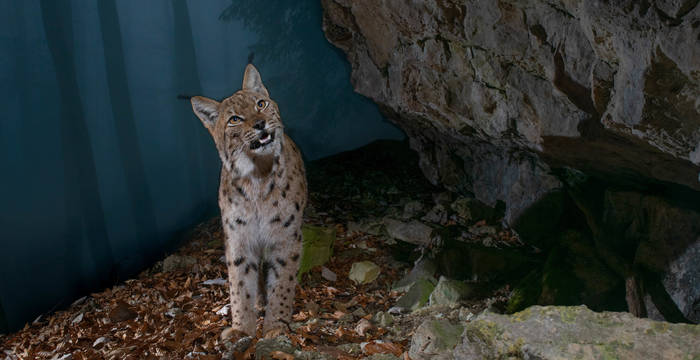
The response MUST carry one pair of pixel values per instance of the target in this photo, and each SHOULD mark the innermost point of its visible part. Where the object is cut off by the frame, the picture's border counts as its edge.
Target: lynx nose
(259, 125)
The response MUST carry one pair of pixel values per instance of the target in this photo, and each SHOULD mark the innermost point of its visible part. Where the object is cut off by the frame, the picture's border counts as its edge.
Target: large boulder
(575, 333)
(494, 94)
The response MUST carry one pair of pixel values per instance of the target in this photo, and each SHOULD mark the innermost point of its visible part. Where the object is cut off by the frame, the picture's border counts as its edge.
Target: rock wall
(493, 94)
(516, 102)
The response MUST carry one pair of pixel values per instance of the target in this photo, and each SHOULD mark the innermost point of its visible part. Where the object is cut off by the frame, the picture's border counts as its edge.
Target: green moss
(569, 314)
(660, 327)
(525, 293)
(486, 331)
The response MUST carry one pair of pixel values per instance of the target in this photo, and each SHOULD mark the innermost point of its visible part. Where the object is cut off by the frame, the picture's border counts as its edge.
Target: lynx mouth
(264, 139)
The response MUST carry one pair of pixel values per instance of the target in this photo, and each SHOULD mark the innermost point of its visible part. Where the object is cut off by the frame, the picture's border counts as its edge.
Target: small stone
(351, 348)
(465, 315)
(364, 272)
(369, 226)
(178, 263)
(309, 355)
(382, 357)
(397, 310)
(218, 281)
(449, 292)
(77, 319)
(411, 209)
(363, 327)
(383, 319)
(236, 348)
(417, 296)
(347, 318)
(423, 269)
(329, 275)
(360, 312)
(265, 347)
(413, 232)
(224, 310)
(173, 312)
(436, 215)
(482, 230)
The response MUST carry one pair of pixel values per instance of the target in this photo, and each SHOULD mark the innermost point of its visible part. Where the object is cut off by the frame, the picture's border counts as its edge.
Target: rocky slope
(504, 99)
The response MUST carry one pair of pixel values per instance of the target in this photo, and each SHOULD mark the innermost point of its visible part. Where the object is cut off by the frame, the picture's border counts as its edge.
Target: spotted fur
(262, 196)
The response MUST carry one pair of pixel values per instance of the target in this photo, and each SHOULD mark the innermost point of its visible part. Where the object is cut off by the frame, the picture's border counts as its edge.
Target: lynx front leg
(243, 289)
(283, 265)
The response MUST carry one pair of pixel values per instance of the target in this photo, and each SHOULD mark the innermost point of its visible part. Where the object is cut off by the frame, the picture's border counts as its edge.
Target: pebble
(329, 275)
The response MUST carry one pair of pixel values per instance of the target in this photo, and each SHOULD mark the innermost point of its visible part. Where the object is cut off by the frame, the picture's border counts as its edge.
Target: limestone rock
(414, 232)
(423, 269)
(364, 272)
(435, 339)
(575, 333)
(449, 292)
(417, 295)
(493, 93)
(329, 275)
(317, 246)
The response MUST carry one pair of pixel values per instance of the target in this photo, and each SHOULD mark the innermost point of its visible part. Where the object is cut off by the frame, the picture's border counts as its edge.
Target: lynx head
(246, 127)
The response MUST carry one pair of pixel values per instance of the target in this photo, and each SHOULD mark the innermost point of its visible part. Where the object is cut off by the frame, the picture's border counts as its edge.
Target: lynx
(262, 196)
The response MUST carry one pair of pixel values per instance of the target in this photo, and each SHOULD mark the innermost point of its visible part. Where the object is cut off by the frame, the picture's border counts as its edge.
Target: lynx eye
(262, 104)
(233, 120)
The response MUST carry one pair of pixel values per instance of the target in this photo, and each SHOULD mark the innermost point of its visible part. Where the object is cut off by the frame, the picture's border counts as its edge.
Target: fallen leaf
(377, 347)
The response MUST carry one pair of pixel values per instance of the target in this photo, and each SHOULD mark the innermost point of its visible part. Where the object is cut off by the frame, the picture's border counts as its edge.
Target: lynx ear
(253, 82)
(207, 110)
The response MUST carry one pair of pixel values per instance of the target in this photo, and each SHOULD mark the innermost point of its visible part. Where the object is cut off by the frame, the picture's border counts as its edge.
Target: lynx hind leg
(243, 289)
(281, 287)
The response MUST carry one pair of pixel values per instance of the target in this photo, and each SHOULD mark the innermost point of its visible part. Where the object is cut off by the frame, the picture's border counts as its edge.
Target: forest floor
(177, 308)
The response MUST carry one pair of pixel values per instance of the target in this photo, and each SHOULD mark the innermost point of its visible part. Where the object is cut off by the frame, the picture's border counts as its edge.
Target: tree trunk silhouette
(127, 138)
(187, 82)
(84, 213)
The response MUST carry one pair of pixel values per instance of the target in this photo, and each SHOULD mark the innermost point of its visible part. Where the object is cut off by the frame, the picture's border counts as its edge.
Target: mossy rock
(417, 295)
(575, 332)
(317, 247)
(435, 339)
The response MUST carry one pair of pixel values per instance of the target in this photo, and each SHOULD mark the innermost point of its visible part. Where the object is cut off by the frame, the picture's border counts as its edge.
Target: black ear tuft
(250, 57)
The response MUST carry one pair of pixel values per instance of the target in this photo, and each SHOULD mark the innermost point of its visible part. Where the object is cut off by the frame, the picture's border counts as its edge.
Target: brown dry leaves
(173, 315)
